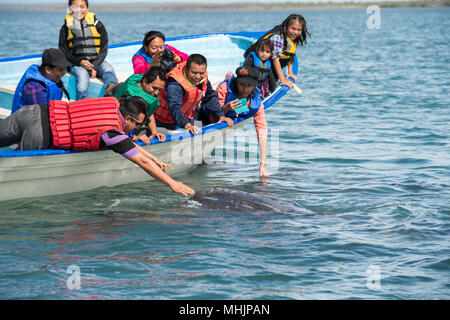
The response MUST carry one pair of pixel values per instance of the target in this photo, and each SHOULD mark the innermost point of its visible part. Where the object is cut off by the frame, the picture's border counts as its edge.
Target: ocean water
(366, 148)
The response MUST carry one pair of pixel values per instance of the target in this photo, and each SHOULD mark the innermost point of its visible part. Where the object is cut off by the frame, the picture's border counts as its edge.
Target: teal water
(366, 148)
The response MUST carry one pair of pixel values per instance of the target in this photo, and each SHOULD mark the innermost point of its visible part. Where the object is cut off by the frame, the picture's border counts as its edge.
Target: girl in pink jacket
(230, 92)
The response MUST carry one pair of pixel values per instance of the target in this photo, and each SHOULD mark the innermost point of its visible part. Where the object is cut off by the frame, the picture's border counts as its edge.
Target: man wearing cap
(186, 92)
(39, 84)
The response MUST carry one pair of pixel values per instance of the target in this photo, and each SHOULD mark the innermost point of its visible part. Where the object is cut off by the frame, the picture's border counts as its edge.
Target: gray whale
(240, 201)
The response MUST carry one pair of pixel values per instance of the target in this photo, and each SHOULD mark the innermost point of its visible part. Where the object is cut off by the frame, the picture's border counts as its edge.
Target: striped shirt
(278, 42)
(119, 142)
(34, 92)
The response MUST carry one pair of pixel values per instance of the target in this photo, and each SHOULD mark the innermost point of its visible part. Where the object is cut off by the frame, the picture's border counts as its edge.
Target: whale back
(240, 201)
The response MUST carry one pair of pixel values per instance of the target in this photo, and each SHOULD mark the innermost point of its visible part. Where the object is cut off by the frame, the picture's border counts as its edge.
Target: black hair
(234, 88)
(197, 59)
(133, 106)
(153, 73)
(151, 35)
(300, 19)
(261, 43)
(44, 65)
(85, 1)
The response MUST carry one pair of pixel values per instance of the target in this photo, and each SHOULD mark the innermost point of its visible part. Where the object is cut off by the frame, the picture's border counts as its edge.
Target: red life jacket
(78, 125)
(192, 96)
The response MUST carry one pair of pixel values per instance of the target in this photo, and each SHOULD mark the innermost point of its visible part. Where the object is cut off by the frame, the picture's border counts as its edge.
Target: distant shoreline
(134, 7)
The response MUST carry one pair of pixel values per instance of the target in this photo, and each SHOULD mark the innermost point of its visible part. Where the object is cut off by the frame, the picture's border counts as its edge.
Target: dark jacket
(175, 94)
(63, 46)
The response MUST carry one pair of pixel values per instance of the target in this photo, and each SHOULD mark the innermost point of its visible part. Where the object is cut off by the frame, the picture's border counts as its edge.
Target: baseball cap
(55, 57)
(246, 75)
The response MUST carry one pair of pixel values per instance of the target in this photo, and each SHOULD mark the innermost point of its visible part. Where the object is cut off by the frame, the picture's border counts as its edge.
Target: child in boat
(84, 41)
(147, 86)
(285, 39)
(259, 60)
(155, 52)
(244, 86)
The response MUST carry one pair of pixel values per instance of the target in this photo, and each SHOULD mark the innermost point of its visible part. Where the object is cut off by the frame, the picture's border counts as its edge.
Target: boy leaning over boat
(79, 126)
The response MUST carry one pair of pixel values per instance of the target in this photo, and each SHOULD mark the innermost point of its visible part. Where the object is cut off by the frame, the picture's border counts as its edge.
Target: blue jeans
(105, 71)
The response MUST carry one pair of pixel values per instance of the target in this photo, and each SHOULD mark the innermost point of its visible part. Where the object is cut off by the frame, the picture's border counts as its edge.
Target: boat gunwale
(248, 34)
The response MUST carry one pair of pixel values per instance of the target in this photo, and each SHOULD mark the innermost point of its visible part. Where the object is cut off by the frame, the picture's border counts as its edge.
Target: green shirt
(132, 88)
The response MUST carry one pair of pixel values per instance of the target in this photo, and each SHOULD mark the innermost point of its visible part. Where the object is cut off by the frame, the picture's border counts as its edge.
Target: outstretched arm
(261, 132)
(156, 172)
(159, 163)
(279, 71)
(262, 155)
(291, 71)
(120, 143)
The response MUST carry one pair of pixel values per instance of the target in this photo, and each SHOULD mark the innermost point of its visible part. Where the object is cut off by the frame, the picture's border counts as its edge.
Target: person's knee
(81, 75)
(83, 82)
(32, 136)
(107, 73)
(105, 67)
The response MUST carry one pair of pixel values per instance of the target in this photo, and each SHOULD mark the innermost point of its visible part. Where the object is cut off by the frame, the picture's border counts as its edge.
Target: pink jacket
(140, 65)
(259, 118)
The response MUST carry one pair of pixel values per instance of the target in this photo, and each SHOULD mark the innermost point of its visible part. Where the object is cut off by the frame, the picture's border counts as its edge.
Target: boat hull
(37, 176)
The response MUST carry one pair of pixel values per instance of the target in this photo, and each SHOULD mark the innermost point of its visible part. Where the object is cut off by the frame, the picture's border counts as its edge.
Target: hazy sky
(103, 2)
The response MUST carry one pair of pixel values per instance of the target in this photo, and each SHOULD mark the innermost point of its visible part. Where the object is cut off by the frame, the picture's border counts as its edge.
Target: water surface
(366, 148)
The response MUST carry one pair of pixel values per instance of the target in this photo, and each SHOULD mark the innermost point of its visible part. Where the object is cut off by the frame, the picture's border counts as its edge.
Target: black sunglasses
(138, 124)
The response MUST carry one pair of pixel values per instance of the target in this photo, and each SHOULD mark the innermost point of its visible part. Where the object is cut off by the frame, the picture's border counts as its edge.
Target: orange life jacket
(191, 100)
(78, 125)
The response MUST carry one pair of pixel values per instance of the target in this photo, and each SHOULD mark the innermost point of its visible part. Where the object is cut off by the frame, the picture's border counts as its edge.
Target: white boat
(25, 174)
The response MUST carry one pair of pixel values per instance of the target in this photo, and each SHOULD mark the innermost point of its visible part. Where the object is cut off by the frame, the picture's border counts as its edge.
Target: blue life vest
(257, 62)
(255, 101)
(53, 91)
(261, 68)
(141, 52)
